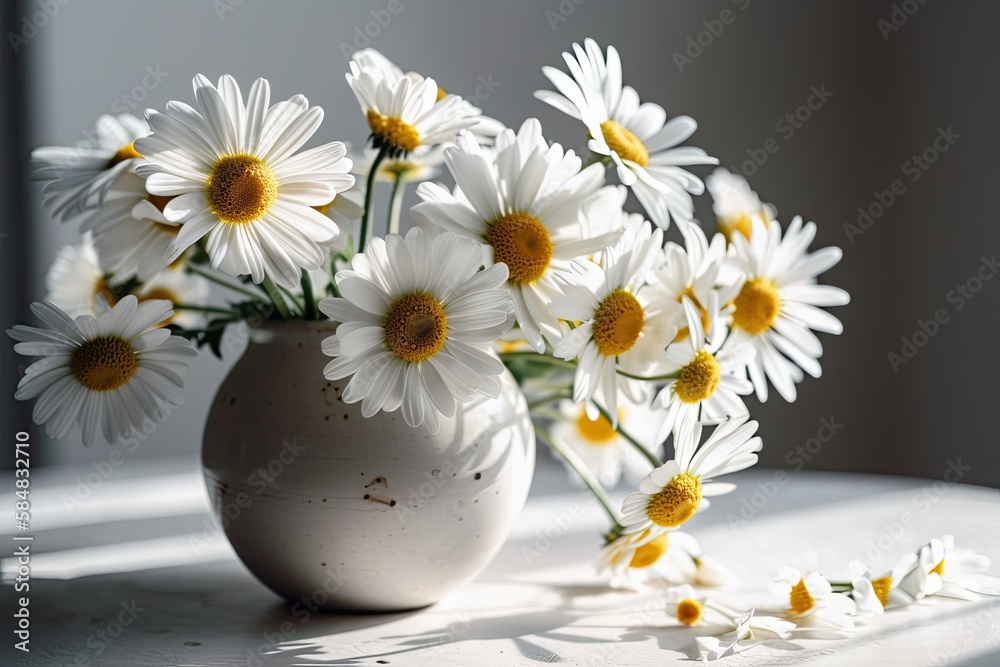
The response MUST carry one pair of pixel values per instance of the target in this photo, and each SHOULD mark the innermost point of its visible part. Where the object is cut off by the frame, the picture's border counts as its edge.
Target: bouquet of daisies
(622, 339)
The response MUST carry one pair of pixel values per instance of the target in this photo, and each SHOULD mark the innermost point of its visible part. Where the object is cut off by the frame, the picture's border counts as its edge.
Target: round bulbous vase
(341, 512)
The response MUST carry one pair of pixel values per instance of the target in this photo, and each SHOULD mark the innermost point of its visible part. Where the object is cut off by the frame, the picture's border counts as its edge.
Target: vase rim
(268, 329)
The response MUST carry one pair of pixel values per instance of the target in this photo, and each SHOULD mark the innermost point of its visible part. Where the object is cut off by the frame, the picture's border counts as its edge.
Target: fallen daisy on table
(873, 594)
(811, 599)
(943, 570)
(750, 630)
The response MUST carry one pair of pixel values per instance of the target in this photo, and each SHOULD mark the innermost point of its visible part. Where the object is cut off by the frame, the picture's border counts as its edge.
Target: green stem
(205, 309)
(542, 358)
(309, 311)
(275, 295)
(396, 203)
(655, 378)
(650, 456)
(194, 268)
(548, 399)
(369, 192)
(588, 478)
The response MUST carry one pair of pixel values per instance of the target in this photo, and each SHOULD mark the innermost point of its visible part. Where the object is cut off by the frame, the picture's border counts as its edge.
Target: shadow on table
(563, 619)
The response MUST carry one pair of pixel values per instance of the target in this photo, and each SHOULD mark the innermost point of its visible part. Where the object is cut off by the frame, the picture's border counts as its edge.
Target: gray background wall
(892, 91)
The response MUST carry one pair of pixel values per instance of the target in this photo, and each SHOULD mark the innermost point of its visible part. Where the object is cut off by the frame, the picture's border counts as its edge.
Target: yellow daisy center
(617, 323)
(699, 379)
(595, 431)
(416, 327)
(757, 306)
(441, 94)
(649, 553)
(937, 569)
(676, 502)
(623, 142)
(882, 586)
(241, 189)
(689, 611)
(736, 223)
(684, 333)
(396, 132)
(522, 243)
(126, 152)
(799, 599)
(103, 364)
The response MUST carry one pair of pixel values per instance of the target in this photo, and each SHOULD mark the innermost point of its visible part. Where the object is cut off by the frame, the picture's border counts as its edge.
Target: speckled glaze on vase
(352, 513)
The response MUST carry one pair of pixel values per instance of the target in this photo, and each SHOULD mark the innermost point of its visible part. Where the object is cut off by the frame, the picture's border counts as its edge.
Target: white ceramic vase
(333, 510)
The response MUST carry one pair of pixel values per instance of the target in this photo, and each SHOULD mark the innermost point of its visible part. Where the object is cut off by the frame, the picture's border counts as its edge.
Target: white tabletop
(141, 549)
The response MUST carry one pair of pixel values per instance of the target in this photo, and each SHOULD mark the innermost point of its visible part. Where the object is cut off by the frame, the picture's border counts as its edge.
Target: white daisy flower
(671, 494)
(640, 141)
(735, 204)
(77, 178)
(77, 284)
(233, 175)
(405, 112)
(526, 207)
(810, 597)
(675, 557)
(706, 387)
(686, 605)
(76, 280)
(875, 594)
(942, 569)
(600, 447)
(484, 129)
(749, 631)
(626, 554)
(779, 302)
(178, 287)
(110, 375)
(618, 326)
(413, 336)
(694, 271)
(130, 232)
